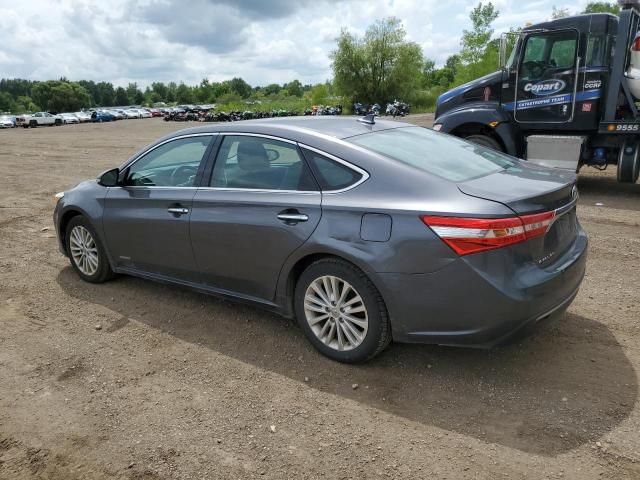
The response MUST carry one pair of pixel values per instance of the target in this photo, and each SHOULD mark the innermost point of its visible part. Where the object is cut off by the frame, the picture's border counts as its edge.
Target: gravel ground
(138, 380)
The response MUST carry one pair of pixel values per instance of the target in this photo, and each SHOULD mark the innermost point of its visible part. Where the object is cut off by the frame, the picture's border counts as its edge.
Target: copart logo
(545, 87)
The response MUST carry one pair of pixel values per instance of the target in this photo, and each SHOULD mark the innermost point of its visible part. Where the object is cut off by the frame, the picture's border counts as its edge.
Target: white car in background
(83, 116)
(7, 121)
(132, 113)
(40, 119)
(68, 118)
(633, 72)
(117, 114)
(144, 113)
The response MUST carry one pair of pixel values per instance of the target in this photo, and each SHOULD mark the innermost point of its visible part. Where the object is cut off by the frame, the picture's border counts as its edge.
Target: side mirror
(109, 178)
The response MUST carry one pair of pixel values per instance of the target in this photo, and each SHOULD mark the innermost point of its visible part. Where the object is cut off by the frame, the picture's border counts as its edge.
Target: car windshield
(442, 155)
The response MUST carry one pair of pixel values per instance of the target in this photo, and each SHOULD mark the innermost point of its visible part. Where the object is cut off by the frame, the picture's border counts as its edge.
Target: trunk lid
(529, 189)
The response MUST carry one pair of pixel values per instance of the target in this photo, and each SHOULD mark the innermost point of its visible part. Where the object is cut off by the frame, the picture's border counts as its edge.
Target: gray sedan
(365, 232)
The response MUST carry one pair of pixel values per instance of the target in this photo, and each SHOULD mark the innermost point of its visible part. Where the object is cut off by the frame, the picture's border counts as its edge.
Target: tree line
(21, 95)
(379, 67)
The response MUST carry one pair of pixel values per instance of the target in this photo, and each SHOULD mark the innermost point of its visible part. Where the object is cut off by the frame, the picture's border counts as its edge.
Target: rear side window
(442, 155)
(331, 175)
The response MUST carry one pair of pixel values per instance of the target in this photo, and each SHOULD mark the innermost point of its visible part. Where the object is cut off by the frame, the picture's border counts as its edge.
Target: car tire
(33, 124)
(360, 341)
(80, 235)
(485, 141)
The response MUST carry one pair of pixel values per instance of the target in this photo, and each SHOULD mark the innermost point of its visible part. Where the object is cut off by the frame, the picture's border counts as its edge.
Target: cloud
(262, 41)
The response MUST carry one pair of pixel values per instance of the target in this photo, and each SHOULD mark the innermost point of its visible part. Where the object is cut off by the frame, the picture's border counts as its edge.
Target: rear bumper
(462, 305)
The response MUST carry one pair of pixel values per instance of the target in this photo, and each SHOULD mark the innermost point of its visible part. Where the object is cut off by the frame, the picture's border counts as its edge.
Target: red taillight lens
(635, 46)
(472, 235)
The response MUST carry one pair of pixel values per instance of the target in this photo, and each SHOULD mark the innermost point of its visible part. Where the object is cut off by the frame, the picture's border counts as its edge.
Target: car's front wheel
(341, 311)
(86, 253)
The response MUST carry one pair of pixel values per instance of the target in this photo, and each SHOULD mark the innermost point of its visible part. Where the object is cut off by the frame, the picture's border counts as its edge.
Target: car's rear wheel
(341, 311)
(86, 253)
(485, 141)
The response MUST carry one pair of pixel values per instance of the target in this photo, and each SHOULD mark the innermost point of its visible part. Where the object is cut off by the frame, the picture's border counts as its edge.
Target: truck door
(546, 77)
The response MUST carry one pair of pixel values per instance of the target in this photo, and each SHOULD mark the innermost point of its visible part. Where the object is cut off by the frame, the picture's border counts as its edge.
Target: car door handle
(178, 210)
(293, 217)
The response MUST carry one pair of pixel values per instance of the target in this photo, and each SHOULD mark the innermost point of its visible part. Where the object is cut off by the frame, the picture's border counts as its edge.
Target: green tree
(294, 88)
(104, 94)
(67, 97)
(24, 104)
(172, 87)
(184, 94)
(379, 67)
(271, 89)
(560, 13)
(134, 94)
(474, 42)
(479, 54)
(319, 94)
(121, 98)
(6, 102)
(239, 86)
(161, 90)
(602, 7)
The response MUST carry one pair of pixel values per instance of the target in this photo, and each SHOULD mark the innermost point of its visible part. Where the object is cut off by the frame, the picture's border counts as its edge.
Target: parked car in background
(155, 112)
(69, 118)
(118, 114)
(83, 116)
(144, 113)
(7, 121)
(102, 116)
(39, 119)
(633, 72)
(132, 113)
(364, 231)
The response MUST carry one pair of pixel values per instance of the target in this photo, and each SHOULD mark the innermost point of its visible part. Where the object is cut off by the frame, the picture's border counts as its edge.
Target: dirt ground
(138, 380)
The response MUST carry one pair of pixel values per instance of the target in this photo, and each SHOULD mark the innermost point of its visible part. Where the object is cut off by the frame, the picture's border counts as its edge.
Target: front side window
(547, 52)
(442, 155)
(260, 163)
(173, 164)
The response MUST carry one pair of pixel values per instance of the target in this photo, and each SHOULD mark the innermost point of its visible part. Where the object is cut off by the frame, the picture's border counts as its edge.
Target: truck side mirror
(502, 54)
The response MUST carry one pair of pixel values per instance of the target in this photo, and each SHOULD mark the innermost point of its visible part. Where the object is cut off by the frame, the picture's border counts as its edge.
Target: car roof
(296, 128)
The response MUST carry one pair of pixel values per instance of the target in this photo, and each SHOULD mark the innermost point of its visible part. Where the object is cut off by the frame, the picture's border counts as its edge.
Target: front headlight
(437, 127)
(57, 197)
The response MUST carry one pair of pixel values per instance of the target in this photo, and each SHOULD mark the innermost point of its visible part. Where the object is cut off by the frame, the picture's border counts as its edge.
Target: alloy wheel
(84, 250)
(336, 313)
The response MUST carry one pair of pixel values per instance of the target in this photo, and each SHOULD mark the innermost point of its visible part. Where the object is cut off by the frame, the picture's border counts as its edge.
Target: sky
(262, 41)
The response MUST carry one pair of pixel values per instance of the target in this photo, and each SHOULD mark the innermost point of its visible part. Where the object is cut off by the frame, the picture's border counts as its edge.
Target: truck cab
(560, 99)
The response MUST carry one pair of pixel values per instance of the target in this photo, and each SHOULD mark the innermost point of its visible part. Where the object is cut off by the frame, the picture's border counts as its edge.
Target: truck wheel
(485, 141)
(33, 124)
(628, 162)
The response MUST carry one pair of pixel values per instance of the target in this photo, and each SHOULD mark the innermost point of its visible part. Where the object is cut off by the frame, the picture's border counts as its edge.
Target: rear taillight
(472, 235)
(635, 46)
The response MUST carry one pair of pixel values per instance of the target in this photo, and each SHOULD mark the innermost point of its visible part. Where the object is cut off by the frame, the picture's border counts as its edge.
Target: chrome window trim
(262, 190)
(179, 137)
(262, 135)
(365, 175)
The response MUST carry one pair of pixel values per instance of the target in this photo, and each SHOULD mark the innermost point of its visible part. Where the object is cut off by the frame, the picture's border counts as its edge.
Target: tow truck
(563, 98)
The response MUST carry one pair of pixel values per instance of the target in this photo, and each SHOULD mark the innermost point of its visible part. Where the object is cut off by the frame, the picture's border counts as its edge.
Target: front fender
(486, 115)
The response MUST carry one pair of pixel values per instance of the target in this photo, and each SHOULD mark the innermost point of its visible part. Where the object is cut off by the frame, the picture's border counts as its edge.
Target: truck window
(535, 49)
(595, 51)
(563, 53)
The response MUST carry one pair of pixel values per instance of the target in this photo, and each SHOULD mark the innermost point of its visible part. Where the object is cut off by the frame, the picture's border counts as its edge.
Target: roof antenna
(369, 119)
